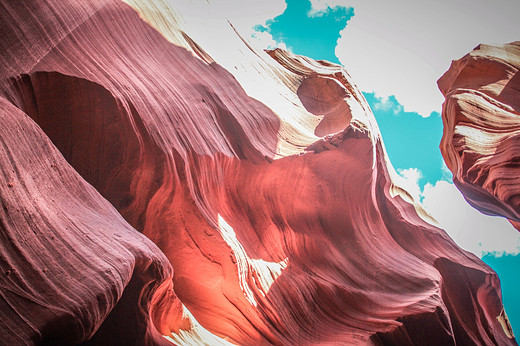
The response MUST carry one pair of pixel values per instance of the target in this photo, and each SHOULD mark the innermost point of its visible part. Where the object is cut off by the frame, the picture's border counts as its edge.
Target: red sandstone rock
(69, 262)
(275, 235)
(481, 118)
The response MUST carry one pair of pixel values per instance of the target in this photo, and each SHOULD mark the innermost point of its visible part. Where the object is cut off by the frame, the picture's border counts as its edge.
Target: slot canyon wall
(481, 140)
(162, 183)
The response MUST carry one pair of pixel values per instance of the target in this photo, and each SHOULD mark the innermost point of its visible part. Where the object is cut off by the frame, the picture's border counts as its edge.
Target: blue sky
(312, 36)
(319, 30)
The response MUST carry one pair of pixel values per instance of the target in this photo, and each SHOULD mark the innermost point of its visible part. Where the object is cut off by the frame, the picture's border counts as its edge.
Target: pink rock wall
(481, 128)
(115, 139)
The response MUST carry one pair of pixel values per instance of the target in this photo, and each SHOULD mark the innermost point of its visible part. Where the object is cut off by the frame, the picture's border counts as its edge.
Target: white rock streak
(262, 273)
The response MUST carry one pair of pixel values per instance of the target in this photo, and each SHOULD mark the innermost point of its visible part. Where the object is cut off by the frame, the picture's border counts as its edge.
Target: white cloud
(385, 104)
(264, 40)
(320, 7)
(245, 14)
(471, 230)
(446, 173)
(409, 180)
(402, 47)
(207, 21)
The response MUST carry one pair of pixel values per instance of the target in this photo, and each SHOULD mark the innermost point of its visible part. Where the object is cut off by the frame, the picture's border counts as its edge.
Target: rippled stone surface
(210, 193)
(481, 140)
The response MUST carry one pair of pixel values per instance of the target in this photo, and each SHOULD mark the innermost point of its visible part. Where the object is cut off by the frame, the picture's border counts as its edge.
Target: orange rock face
(481, 115)
(146, 193)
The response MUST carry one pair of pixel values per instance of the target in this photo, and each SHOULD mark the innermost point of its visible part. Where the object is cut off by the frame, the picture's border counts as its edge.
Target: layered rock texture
(161, 184)
(481, 140)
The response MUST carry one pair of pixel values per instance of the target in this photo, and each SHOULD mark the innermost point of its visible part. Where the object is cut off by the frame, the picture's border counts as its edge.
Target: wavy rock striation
(69, 261)
(263, 180)
(481, 140)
